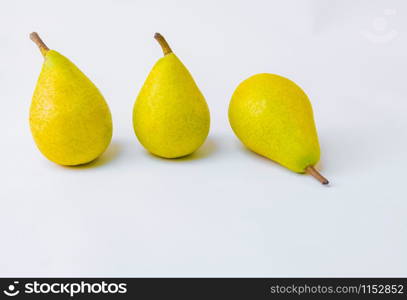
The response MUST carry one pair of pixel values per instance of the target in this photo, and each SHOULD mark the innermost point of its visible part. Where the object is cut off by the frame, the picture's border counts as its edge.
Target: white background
(223, 211)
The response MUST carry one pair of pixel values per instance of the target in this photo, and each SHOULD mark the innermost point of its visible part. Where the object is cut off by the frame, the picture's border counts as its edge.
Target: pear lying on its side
(170, 115)
(273, 117)
(69, 118)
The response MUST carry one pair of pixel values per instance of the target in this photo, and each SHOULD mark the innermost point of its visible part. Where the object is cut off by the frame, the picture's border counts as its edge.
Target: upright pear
(273, 117)
(170, 115)
(69, 118)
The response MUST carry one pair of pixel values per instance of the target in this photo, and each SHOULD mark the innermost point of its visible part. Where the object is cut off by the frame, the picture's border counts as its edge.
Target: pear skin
(69, 119)
(170, 116)
(273, 117)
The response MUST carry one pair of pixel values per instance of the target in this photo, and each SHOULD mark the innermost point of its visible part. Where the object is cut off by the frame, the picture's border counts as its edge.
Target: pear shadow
(209, 147)
(110, 154)
(263, 158)
(330, 142)
(281, 167)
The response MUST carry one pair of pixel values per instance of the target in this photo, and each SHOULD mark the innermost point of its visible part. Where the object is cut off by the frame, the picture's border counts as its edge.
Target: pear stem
(39, 42)
(314, 173)
(163, 43)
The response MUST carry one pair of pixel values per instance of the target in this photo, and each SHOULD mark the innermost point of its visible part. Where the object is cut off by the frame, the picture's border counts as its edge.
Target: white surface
(223, 211)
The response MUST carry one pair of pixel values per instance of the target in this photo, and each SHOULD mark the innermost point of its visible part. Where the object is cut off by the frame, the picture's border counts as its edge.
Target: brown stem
(163, 43)
(38, 41)
(313, 172)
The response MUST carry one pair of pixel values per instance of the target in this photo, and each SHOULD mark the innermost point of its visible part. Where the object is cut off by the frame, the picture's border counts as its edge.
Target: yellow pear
(170, 115)
(69, 118)
(273, 117)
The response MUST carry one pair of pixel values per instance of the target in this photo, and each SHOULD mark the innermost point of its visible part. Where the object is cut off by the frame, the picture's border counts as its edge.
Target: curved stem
(313, 172)
(163, 43)
(39, 42)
